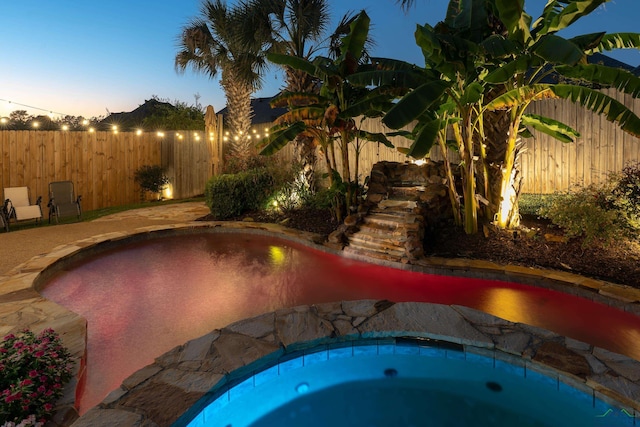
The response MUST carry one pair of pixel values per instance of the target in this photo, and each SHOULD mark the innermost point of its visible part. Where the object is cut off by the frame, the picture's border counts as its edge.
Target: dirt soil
(619, 263)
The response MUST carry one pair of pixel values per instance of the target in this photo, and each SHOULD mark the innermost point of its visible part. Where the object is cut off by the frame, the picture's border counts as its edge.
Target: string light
(49, 112)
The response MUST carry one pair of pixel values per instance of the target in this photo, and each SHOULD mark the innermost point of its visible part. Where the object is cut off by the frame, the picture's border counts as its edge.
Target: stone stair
(392, 229)
(402, 199)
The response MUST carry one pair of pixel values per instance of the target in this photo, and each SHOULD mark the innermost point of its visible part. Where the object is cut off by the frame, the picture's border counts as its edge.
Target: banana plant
(494, 61)
(330, 116)
(533, 53)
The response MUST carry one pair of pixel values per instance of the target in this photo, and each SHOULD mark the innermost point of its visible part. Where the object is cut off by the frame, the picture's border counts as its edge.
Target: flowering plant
(33, 370)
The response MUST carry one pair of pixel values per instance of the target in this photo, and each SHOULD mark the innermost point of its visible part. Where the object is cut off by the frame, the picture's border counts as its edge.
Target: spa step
(379, 223)
(405, 193)
(376, 251)
(368, 237)
(396, 205)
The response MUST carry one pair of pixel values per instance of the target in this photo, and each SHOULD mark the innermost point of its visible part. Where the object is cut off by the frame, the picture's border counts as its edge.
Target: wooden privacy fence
(102, 164)
(549, 165)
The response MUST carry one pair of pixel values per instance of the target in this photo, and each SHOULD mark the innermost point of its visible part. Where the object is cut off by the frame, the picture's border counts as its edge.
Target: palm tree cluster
(485, 63)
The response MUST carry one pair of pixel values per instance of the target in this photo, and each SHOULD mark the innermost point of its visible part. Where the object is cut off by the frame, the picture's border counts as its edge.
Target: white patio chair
(18, 207)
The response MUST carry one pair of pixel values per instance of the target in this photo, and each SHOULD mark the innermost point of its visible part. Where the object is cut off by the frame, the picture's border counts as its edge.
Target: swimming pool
(143, 298)
(400, 383)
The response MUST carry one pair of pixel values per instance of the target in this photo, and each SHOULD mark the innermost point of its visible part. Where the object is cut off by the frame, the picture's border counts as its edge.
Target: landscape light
(65, 127)
(35, 124)
(138, 132)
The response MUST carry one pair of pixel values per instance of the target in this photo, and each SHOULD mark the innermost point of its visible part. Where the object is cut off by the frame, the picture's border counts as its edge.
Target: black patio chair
(62, 201)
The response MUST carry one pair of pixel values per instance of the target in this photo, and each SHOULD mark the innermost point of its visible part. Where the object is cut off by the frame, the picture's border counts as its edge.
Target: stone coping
(180, 383)
(21, 306)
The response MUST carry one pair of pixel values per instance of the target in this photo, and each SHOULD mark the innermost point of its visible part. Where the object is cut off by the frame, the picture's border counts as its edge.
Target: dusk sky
(88, 58)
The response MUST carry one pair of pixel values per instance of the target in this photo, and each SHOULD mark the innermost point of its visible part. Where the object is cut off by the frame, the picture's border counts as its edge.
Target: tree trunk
(300, 81)
(238, 119)
(454, 197)
(306, 155)
(464, 138)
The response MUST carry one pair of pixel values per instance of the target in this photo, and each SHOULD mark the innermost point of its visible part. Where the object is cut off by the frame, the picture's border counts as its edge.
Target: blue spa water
(384, 383)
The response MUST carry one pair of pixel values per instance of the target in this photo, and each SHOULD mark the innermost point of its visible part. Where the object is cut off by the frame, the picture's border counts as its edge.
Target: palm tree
(212, 44)
(295, 28)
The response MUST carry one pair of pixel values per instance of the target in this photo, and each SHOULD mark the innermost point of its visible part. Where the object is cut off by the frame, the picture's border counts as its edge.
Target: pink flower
(48, 407)
(42, 389)
(26, 382)
(33, 373)
(39, 353)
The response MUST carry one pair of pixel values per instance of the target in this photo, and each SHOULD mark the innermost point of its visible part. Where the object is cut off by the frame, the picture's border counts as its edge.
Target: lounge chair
(62, 200)
(18, 207)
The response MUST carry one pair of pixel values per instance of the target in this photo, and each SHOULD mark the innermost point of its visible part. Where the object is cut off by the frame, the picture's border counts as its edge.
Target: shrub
(627, 193)
(292, 192)
(33, 371)
(587, 211)
(230, 195)
(151, 178)
(530, 204)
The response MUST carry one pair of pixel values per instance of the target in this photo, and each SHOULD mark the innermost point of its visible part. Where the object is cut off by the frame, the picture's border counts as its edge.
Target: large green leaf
(511, 13)
(559, 14)
(507, 71)
(280, 138)
(413, 104)
(427, 40)
(551, 127)
(588, 41)
(354, 42)
(467, 16)
(403, 77)
(425, 139)
(293, 62)
(618, 78)
(286, 99)
(521, 96)
(557, 50)
(598, 102)
(365, 105)
(307, 114)
(472, 93)
(497, 46)
(617, 41)
(374, 137)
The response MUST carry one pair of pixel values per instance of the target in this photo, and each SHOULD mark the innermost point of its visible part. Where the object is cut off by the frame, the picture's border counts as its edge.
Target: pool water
(387, 384)
(142, 299)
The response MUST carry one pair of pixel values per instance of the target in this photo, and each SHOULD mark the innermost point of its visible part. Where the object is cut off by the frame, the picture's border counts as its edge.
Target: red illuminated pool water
(143, 299)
